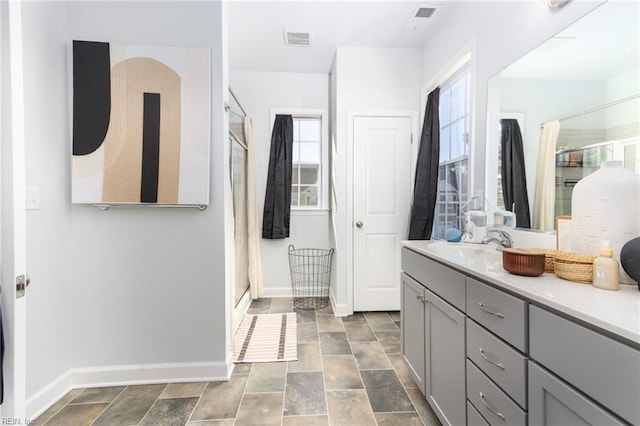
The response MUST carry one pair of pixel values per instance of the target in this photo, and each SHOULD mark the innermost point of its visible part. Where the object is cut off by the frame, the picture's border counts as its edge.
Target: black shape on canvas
(91, 95)
(150, 148)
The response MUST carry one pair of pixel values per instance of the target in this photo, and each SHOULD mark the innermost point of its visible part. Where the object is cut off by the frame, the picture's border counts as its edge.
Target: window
(306, 188)
(453, 172)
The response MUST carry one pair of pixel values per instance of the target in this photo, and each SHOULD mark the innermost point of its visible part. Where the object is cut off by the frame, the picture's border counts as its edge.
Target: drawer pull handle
(489, 360)
(497, 314)
(489, 408)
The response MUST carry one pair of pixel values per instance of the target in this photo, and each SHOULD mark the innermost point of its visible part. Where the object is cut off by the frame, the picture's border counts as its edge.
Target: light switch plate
(32, 198)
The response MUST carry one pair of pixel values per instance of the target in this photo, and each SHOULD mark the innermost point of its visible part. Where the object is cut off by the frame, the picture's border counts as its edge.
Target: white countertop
(617, 312)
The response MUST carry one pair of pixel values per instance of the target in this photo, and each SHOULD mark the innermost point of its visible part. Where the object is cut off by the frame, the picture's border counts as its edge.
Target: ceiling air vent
(297, 38)
(425, 12)
(421, 18)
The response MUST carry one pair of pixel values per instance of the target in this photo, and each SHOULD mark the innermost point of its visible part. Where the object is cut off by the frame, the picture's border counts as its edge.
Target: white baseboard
(48, 395)
(340, 309)
(124, 375)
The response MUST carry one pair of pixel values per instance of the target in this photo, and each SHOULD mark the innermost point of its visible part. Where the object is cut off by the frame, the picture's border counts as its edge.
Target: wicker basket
(577, 267)
(549, 258)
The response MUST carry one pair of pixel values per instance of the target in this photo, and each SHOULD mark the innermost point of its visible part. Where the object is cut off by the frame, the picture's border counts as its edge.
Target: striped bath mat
(266, 338)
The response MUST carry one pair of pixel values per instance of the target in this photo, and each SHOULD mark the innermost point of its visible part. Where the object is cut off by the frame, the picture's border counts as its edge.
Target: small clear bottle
(605, 269)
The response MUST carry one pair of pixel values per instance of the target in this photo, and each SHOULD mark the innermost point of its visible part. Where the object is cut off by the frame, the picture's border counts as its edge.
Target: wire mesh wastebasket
(310, 276)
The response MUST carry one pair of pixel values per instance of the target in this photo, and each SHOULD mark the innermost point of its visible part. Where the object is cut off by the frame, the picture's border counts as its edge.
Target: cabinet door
(445, 360)
(552, 402)
(412, 324)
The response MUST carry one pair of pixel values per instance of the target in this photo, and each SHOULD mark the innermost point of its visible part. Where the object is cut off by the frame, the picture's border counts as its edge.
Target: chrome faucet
(504, 238)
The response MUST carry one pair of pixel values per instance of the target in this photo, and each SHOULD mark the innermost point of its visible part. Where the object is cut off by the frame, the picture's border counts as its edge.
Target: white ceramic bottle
(605, 269)
(606, 206)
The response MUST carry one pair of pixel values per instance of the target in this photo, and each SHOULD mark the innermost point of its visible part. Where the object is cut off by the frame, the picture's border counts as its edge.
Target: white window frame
(323, 179)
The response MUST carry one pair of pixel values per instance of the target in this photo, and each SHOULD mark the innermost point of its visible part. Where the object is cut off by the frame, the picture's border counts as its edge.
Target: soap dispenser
(605, 268)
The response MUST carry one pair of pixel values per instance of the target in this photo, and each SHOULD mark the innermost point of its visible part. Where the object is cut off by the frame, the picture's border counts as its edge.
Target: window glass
(444, 144)
(453, 174)
(309, 174)
(445, 106)
(308, 196)
(307, 162)
(309, 130)
(309, 152)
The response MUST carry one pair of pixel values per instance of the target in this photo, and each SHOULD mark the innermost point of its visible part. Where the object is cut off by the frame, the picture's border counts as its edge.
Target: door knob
(359, 224)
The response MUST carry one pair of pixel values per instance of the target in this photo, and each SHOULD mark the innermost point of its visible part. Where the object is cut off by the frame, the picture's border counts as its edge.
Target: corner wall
(48, 161)
(138, 294)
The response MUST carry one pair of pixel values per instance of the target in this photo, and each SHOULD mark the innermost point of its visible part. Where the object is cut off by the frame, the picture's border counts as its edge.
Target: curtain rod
(237, 102)
(598, 108)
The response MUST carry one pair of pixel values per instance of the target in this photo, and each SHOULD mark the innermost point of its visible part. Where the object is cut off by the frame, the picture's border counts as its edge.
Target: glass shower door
(239, 189)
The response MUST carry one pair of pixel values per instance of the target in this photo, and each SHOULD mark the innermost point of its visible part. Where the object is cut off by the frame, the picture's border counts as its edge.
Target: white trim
(48, 395)
(240, 309)
(125, 375)
(341, 310)
(347, 308)
(463, 61)
(323, 114)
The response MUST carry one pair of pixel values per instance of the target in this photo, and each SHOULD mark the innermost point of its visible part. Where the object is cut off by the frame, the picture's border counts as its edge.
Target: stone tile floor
(349, 372)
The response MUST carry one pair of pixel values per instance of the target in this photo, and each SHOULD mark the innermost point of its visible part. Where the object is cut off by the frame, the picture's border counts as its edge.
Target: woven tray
(577, 267)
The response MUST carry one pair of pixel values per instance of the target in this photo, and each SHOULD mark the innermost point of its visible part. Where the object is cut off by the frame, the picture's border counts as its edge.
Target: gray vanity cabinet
(412, 320)
(590, 363)
(483, 355)
(433, 335)
(553, 402)
(444, 328)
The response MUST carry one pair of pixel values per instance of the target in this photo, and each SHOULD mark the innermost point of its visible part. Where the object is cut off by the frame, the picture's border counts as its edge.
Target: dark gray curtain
(425, 190)
(514, 179)
(277, 200)
(1, 360)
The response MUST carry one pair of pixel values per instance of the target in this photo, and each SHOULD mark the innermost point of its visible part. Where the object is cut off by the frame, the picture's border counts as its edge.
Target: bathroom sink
(478, 256)
(461, 249)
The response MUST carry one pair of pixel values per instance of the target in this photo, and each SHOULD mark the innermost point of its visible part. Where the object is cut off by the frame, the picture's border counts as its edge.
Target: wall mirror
(587, 79)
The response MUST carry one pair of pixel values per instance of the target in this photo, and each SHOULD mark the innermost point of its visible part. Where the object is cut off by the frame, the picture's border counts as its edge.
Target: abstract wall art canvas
(141, 132)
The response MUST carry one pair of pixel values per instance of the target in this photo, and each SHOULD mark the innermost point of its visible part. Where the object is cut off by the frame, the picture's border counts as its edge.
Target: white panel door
(12, 201)
(381, 201)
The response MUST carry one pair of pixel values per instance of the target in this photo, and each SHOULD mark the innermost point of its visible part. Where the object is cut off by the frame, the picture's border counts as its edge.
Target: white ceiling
(604, 43)
(256, 31)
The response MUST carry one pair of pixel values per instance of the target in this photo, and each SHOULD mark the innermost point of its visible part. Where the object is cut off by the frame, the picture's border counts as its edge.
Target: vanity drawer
(503, 364)
(445, 282)
(493, 404)
(605, 369)
(499, 312)
(473, 417)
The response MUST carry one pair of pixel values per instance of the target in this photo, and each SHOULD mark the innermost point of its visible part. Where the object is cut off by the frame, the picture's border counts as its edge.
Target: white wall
(49, 257)
(122, 295)
(368, 80)
(620, 87)
(497, 33)
(258, 93)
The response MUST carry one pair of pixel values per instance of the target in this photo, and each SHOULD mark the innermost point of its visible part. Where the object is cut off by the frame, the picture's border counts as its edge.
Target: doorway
(381, 202)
